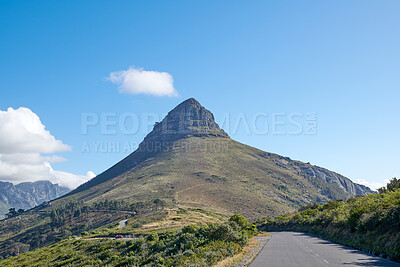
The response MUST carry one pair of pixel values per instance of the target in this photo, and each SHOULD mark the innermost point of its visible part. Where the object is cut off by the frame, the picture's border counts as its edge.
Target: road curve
(299, 249)
(122, 223)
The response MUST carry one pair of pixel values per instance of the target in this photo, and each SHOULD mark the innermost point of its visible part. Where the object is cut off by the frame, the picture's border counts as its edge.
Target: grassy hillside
(370, 223)
(200, 245)
(43, 227)
(187, 160)
(218, 174)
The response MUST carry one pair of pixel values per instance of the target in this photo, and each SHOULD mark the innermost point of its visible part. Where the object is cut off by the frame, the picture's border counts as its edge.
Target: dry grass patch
(231, 261)
(179, 217)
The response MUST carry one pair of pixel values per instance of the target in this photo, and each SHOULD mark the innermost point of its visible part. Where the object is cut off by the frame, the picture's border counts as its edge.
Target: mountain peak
(188, 118)
(190, 102)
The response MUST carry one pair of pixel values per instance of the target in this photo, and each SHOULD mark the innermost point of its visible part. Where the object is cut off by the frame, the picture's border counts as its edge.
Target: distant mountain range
(28, 195)
(188, 161)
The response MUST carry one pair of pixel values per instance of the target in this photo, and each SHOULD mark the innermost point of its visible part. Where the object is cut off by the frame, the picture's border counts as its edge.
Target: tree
(11, 213)
(159, 203)
(393, 184)
(17, 248)
(240, 220)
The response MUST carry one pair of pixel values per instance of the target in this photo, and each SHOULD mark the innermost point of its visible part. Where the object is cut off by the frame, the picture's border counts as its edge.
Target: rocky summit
(189, 118)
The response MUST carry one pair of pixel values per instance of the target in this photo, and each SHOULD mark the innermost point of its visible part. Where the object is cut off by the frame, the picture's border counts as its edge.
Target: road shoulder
(256, 244)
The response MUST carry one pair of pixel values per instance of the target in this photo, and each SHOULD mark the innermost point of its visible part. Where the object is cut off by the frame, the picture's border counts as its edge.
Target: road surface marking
(326, 261)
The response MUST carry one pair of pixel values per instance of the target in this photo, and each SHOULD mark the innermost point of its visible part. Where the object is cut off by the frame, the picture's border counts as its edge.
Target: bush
(152, 237)
(240, 220)
(195, 245)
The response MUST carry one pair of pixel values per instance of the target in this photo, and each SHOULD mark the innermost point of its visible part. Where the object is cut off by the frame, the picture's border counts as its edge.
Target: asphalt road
(299, 249)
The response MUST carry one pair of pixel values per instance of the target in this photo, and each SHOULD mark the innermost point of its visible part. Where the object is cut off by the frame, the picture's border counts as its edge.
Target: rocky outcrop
(28, 195)
(334, 178)
(188, 118)
(328, 177)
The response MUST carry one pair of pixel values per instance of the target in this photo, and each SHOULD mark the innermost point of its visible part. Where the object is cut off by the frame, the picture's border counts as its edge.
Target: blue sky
(336, 59)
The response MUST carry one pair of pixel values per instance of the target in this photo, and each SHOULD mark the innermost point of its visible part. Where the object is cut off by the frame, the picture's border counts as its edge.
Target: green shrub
(152, 237)
(240, 220)
(200, 245)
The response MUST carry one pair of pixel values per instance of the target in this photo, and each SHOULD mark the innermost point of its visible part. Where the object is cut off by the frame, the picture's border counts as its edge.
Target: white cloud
(373, 185)
(23, 140)
(73, 180)
(139, 81)
(22, 131)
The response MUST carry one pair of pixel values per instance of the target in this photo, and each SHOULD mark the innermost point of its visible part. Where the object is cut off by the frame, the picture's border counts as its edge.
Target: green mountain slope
(234, 178)
(188, 160)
